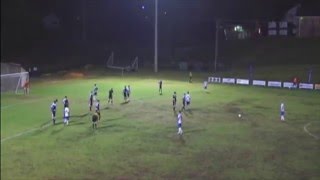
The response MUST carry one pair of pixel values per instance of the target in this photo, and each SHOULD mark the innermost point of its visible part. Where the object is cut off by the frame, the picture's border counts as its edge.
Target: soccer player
(160, 87)
(95, 92)
(174, 101)
(66, 116)
(128, 92)
(98, 108)
(205, 85)
(188, 98)
(125, 93)
(282, 112)
(53, 111)
(110, 100)
(90, 100)
(184, 101)
(65, 102)
(190, 77)
(95, 118)
(179, 123)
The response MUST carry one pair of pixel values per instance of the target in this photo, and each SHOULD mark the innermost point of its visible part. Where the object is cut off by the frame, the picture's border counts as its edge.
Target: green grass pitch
(138, 140)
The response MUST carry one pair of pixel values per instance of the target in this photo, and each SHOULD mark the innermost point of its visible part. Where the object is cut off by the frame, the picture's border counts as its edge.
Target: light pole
(216, 46)
(156, 37)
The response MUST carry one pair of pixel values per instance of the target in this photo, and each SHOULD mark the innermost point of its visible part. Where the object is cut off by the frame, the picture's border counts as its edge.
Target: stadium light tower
(156, 37)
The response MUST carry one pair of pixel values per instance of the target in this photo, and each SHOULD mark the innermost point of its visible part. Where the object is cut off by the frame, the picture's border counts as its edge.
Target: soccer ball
(239, 115)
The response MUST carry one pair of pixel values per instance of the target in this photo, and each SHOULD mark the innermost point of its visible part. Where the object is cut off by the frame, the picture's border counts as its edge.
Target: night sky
(121, 20)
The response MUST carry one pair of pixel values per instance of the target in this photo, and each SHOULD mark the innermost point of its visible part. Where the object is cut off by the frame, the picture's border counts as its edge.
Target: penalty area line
(24, 133)
(306, 130)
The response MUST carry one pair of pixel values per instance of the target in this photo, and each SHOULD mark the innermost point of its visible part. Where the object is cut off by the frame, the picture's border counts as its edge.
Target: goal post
(14, 82)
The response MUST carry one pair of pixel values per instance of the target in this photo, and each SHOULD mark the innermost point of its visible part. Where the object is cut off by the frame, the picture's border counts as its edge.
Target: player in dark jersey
(65, 102)
(174, 101)
(90, 100)
(184, 101)
(95, 92)
(95, 118)
(110, 100)
(160, 87)
(53, 108)
(128, 92)
(98, 108)
(125, 93)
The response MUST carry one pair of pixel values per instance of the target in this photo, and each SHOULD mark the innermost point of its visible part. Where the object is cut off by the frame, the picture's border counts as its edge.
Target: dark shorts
(67, 118)
(282, 113)
(53, 113)
(94, 119)
(179, 125)
(95, 93)
(110, 97)
(174, 103)
(188, 102)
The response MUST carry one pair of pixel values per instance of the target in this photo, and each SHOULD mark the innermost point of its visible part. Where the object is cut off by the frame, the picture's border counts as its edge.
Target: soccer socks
(282, 118)
(180, 131)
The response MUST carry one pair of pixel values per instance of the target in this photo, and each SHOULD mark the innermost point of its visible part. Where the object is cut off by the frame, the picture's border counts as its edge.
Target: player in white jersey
(188, 99)
(282, 112)
(179, 123)
(205, 85)
(66, 116)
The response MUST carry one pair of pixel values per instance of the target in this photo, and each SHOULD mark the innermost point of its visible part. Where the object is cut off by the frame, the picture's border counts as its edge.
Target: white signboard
(259, 83)
(283, 24)
(283, 32)
(274, 83)
(272, 24)
(229, 80)
(272, 32)
(305, 86)
(243, 81)
(287, 84)
(317, 86)
(214, 79)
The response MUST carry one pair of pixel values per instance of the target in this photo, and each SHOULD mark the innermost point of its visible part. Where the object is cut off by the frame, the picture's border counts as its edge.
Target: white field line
(24, 133)
(306, 130)
(32, 101)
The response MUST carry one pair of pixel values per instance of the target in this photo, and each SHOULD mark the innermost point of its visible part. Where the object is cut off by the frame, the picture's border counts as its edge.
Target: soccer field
(138, 140)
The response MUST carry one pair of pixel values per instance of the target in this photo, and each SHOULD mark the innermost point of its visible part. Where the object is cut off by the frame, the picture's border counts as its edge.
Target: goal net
(133, 66)
(13, 78)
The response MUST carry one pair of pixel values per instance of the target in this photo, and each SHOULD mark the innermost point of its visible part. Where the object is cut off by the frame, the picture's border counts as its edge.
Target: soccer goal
(14, 81)
(132, 67)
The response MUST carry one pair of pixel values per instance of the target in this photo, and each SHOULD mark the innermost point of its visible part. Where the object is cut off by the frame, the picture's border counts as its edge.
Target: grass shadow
(181, 140)
(106, 108)
(124, 103)
(194, 130)
(104, 127)
(80, 116)
(56, 131)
